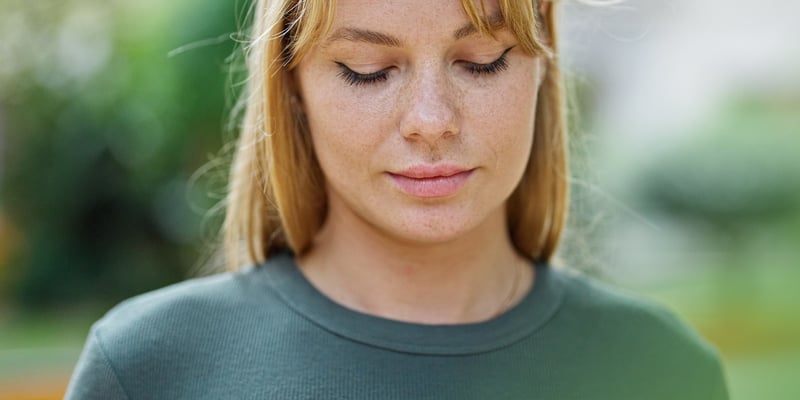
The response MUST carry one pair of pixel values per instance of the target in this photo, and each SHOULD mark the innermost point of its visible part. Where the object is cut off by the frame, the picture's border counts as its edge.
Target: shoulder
(211, 313)
(174, 336)
(630, 335)
(617, 311)
(186, 300)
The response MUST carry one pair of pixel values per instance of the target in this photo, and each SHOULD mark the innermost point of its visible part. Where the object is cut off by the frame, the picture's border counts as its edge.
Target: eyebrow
(495, 21)
(363, 35)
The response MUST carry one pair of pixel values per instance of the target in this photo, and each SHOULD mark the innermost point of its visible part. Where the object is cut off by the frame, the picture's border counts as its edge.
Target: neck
(468, 279)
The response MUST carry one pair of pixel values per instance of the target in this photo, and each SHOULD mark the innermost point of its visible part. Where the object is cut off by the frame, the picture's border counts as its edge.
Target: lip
(431, 181)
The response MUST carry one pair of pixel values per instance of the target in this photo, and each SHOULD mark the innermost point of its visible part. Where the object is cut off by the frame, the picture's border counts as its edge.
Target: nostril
(430, 121)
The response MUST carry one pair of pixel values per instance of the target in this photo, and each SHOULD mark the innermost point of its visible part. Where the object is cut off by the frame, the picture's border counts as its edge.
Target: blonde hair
(276, 197)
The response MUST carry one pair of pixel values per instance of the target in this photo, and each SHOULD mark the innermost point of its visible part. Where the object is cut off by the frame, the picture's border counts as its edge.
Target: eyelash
(501, 64)
(355, 79)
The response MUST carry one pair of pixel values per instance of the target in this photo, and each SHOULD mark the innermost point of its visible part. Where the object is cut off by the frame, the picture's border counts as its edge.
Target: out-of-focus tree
(102, 124)
(740, 176)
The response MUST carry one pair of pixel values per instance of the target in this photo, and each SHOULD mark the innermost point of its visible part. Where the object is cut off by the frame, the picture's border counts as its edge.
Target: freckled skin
(430, 110)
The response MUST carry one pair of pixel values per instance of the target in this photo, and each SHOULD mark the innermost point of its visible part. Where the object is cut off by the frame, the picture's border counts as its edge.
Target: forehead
(407, 20)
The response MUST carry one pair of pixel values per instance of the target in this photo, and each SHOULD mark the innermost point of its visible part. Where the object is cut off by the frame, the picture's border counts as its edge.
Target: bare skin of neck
(469, 279)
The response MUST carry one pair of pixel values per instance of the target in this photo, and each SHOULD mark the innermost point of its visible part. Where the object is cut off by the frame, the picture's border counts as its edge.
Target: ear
(542, 70)
(293, 84)
(546, 18)
(544, 9)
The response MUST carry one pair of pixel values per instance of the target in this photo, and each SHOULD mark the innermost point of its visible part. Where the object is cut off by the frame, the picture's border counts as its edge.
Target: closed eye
(358, 79)
(500, 64)
(354, 78)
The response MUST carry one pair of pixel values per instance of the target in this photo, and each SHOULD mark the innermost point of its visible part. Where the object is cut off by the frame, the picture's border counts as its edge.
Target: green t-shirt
(267, 333)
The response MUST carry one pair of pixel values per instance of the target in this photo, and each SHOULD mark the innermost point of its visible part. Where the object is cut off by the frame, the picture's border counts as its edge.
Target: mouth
(428, 182)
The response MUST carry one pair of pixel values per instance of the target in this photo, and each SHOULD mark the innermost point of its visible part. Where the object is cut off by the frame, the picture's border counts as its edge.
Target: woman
(400, 186)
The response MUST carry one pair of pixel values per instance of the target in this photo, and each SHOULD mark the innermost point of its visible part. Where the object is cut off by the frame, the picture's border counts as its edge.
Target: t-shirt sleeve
(703, 363)
(720, 391)
(94, 376)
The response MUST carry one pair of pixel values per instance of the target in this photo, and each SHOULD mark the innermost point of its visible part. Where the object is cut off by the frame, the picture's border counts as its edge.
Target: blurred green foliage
(740, 170)
(736, 187)
(737, 180)
(102, 128)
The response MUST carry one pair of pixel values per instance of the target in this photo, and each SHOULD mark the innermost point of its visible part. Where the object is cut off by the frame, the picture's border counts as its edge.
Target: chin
(434, 229)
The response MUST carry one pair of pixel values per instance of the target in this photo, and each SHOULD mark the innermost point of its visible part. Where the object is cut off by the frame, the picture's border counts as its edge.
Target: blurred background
(685, 152)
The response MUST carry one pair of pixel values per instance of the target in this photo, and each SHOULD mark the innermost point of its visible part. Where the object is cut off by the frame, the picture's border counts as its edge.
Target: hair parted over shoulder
(276, 195)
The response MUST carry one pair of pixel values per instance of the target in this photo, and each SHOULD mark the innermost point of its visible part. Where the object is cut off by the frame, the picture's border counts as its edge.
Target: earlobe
(542, 75)
(542, 71)
(296, 102)
(295, 99)
(297, 107)
(292, 82)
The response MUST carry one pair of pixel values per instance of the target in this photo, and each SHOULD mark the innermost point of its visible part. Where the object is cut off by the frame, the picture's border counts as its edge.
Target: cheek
(336, 146)
(506, 119)
(344, 129)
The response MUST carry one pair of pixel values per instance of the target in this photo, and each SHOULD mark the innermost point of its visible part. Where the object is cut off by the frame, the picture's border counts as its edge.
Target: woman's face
(422, 126)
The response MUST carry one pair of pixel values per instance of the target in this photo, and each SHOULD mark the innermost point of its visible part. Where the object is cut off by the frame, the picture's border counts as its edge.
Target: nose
(430, 111)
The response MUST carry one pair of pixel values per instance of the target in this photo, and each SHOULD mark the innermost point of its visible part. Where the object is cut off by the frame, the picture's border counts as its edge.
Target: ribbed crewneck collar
(281, 273)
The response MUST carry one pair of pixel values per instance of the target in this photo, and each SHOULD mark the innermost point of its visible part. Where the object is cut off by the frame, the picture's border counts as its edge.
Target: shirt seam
(109, 364)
